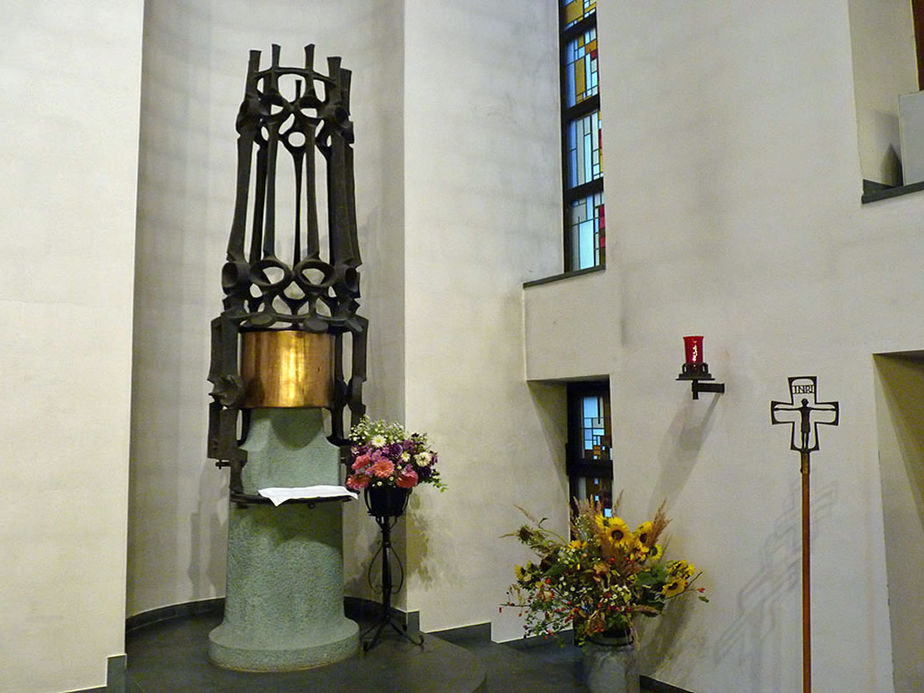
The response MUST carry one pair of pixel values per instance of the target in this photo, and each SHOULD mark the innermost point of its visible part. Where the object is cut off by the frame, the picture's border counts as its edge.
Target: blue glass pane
(587, 232)
(585, 160)
(591, 407)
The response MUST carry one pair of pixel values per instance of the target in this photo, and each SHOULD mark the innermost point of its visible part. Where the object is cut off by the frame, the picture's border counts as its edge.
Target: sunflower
(525, 576)
(655, 552)
(674, 587)
(643, 533)
(617, 531)
(681, 569)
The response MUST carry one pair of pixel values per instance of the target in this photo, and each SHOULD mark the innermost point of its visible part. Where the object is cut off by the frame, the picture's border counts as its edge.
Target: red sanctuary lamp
(696, 369)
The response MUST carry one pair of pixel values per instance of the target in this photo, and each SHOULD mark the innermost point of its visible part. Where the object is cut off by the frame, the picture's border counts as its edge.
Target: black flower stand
(386, 504)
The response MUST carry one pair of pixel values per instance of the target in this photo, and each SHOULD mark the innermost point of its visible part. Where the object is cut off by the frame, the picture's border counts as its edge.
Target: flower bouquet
(598, 581)
(384, 454)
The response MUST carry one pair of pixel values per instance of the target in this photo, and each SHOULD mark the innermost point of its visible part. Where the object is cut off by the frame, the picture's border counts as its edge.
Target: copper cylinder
(287, 368)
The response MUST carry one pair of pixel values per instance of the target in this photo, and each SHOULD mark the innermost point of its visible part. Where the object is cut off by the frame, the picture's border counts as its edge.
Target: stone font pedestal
(284, 603)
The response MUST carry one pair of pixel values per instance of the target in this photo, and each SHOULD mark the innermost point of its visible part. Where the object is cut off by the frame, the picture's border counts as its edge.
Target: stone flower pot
(611, 663)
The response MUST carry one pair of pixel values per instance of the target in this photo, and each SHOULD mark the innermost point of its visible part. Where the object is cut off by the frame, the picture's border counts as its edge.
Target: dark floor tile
(172, 657)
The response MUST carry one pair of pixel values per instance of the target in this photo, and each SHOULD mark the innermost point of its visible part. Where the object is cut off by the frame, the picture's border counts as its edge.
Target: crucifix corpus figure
(803, 413)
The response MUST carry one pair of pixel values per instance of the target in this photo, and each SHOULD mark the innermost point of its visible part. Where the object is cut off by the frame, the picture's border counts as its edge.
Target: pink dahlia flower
(361, 461)
(407, 478)
(358, 481)
(383, 468)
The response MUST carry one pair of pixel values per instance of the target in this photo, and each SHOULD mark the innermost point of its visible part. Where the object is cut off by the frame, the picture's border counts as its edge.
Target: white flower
(378, 441)
(405, 456)
(424, 459)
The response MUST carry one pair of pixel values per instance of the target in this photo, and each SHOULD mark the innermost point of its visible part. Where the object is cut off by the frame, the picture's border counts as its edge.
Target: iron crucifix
(808, 413)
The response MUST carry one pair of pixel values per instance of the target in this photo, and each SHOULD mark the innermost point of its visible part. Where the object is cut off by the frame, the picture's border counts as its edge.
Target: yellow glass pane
(580, 80)
(574, 10)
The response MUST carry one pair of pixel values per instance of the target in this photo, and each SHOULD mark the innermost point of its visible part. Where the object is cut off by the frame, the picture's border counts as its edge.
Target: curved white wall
(69, 88)
(483, 215)
(195, 59)
(465, 93)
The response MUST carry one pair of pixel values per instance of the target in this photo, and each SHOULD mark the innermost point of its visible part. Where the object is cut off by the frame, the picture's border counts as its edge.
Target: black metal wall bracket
(702, 381)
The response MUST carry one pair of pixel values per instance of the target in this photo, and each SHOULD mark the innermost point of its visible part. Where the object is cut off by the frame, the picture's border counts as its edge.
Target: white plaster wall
(735, 213)
(884, 66)
(900, 417)
(448, 243)
(69, 87)
(483, 211)
(195, 59)
(578, 338)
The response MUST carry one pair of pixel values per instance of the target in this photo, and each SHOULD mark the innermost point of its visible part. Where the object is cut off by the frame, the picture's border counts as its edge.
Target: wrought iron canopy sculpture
(299, 290)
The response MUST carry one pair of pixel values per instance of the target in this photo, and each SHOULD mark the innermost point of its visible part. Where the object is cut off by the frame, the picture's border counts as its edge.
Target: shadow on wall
(550, 403)
(677, 455)
(208, 536)
(776, 581)
(367, 582)
(680, 448)
(420, 527)
(667, 634)
(891, 165)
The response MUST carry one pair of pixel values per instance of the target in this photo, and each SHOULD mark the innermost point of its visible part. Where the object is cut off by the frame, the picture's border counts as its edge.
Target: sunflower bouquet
(598, 581)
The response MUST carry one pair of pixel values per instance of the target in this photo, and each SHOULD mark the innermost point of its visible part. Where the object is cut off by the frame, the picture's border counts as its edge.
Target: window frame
(576, 466)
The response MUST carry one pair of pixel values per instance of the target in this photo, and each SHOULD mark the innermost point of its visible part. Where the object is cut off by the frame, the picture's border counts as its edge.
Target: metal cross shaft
(806, 579)
(808, 414)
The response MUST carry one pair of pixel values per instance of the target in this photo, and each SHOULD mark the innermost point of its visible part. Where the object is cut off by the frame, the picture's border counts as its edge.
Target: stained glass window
(575, 10)
(587, 230)
(581, 67)
(594, 427)
(582, 142)
(584, 156)
(590, 467)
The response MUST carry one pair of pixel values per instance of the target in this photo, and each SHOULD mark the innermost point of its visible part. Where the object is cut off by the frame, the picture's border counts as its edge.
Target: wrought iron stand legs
(386, 618)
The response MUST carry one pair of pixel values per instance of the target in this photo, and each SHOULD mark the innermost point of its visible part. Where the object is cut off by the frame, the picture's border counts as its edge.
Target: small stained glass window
(596, 438)
(585, 160)
(576, 10)
(581, 68)
(590, 467)
(587, 231)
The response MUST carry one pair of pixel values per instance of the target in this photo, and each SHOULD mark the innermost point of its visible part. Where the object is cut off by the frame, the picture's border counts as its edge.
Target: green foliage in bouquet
(601, 579)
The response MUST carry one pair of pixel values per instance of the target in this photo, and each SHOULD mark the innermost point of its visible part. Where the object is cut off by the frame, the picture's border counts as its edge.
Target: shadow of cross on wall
(805, 410)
